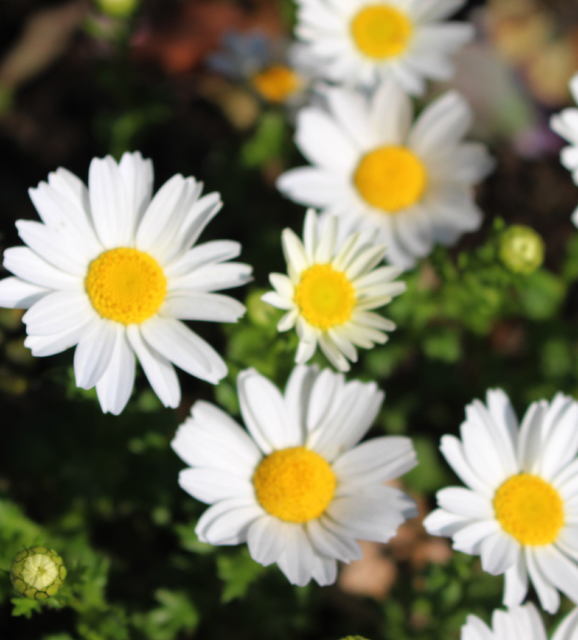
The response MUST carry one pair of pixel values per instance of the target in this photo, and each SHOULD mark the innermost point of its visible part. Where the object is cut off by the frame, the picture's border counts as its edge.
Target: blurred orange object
(182, 43)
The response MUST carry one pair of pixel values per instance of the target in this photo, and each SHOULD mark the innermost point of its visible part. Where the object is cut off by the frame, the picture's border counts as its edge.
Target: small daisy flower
(331, 290)
(363, 42)
(520, 623)
(520, 510)
(410, 185)
(297, 487)
(280, 73)
(565, 124)
(113, 272)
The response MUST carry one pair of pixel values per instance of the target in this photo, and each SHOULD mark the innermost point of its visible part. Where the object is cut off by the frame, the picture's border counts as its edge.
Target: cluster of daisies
(114, 272)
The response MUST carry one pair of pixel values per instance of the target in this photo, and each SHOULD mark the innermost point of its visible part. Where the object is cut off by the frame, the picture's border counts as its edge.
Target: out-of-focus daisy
(520, 511)
(362, 42)
(331, 290)
(565, 124)
(297, 487)
(412, 185)
(520, 623)
(277, 71)
(112, 271)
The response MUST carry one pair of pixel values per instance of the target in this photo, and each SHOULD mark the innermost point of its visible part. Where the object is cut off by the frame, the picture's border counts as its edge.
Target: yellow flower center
(125, 285)
(325, 296)
(294, 484)
(390, 178)
(529, 509)
(380, 31)
(277, 83)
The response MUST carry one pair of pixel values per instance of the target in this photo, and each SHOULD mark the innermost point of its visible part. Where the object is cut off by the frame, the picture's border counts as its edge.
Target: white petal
(465, 503)
(547, 594)
(213, 277)
(137, 177)
(347, 421)
(469, 538)
(559, 570)
(94, 351)
(164, 215)
(322, 142)
(266, 540)
(444, 122)
(58, 311)
(53, 246)
(213, 252)
(227, 522)
(516, 583)
(311, 186)
(212, 485)
(108, 202)
(25, 264)
(116, 384)
(297, 559)
(48, 345)
(265, 413)
(18, 294)
(159, 371)
(452, 450)
(209, 307)
(212, 439)
(391, 113)
(178, 344)
(373, 515)
(442, 523)
(330, 543)
(375, 461)
(499, 553)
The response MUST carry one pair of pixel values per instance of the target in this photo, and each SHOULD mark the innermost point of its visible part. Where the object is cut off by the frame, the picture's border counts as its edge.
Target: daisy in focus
(112, 272)
(520, 623)
(296, 486)
(363, 42)
(409, 184)
(565, 124)
(520, 510)
(331, 290)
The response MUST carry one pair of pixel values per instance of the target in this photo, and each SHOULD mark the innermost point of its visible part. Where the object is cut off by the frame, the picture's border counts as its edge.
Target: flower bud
(37, 572)
(521, 249)
(117, 8)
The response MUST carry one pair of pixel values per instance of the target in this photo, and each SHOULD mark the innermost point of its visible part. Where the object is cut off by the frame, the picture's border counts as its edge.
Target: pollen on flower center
(325, 296)
(380, 31)
(125, 285)
(276, 83)
(390, 178)
(294, 484)
(529, 509)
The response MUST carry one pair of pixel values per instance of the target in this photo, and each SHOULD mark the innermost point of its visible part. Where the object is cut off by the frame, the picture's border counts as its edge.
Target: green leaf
(238, 572)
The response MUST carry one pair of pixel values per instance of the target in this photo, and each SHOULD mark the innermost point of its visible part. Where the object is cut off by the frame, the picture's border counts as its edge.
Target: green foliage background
(103, 491)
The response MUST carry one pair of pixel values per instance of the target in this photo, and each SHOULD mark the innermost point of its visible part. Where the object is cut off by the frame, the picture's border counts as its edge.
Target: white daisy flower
(297, 487)
(565, 124)
(520, 623)
(411, 185)
(331, 290)
(362, 42)
(520, 510)
(112, 271)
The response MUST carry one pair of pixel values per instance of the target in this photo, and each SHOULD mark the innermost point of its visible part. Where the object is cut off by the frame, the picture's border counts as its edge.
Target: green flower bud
(521, 249)
(117, 8)
(37, 572)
